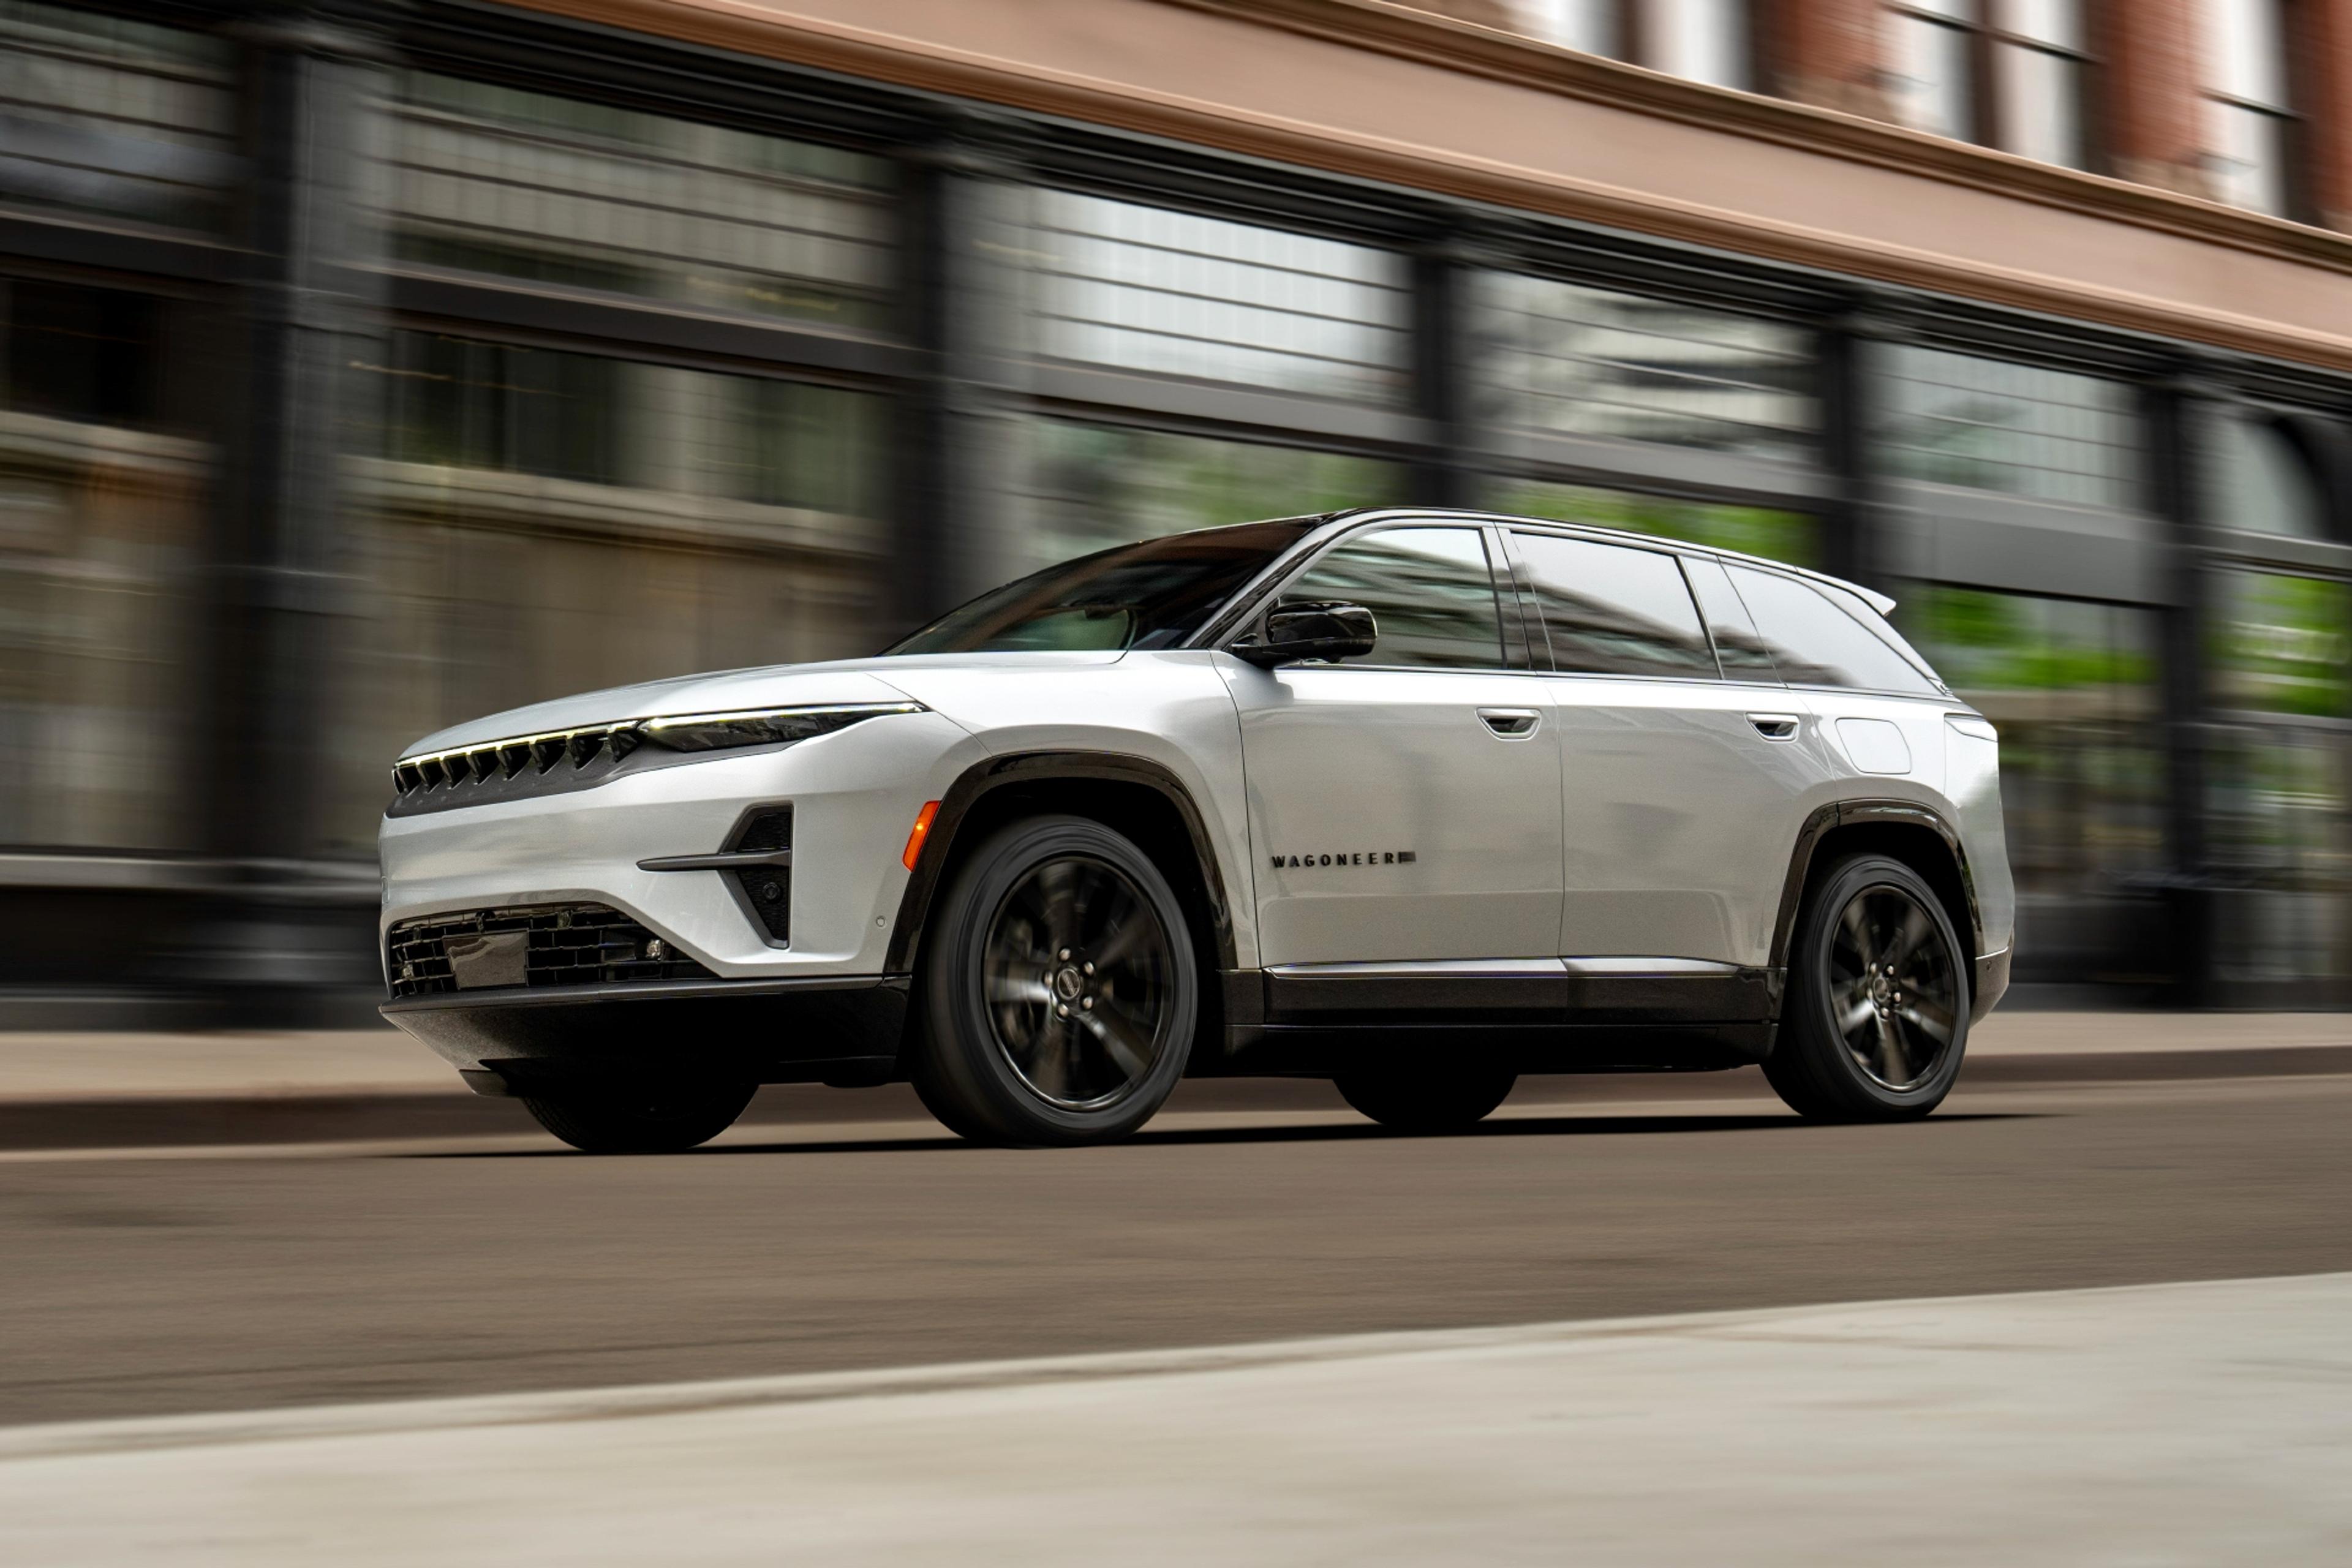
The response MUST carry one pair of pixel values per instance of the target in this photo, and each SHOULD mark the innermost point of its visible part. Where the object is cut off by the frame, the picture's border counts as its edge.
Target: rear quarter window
(1816, 641)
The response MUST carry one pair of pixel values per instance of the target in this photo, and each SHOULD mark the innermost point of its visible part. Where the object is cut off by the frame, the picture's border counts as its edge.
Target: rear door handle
(1774, 726)
(1512, 723)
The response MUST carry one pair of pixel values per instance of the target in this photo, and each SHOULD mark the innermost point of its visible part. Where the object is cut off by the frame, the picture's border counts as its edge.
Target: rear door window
(1737, 647)
(1816, 642)
(1609, 609)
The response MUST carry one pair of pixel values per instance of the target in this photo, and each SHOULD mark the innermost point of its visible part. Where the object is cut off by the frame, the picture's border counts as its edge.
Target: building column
(1446, 468)
(2179, 414)
(1852, 521)
(2150, 97)
(1828, 53)
(2319, 50)
(278, 935)
(958, 488)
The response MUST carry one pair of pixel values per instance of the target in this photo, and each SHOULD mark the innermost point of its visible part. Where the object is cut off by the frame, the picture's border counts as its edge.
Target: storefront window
(1577, 361)
(2282, 644)
(2048, 435)
(1791, 536)
(103, 481)
(492, 179)
(103, 115)
(2263, 482)
(541, 522)
(1172, 293)
(1098, 485)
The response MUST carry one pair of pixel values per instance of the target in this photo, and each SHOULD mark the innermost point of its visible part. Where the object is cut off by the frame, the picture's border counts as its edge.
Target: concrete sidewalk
(79, 1091)
(2166, 1424)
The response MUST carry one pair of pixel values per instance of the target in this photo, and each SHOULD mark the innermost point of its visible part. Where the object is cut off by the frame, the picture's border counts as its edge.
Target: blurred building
(366, 367)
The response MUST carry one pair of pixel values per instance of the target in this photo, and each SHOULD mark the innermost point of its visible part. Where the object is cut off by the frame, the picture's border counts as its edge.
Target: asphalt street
(182, 1281)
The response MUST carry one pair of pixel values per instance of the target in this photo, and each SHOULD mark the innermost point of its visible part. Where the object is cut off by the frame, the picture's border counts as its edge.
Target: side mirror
(1294, 632)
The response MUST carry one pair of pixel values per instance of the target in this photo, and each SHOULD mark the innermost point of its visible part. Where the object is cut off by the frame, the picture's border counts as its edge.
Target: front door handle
(1512, 723)
(1774, 726)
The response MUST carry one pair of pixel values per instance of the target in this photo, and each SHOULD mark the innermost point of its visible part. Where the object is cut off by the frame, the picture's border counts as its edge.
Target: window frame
(1531, 613)
(1990, 111)
(2287, 116)
(1251, 605)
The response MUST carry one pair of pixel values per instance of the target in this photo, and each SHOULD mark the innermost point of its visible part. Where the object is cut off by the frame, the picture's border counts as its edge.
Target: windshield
(1152, 595)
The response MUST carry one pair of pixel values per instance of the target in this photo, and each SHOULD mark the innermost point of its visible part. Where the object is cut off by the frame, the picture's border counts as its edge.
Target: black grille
(514, 770)
(565, 944)
(767, 888)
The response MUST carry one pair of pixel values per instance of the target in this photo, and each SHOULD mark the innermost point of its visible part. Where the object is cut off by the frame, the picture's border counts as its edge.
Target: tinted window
(1816, 643)
(1737, 647)
(1152, 595)
(1609, 610)
(1430, 589)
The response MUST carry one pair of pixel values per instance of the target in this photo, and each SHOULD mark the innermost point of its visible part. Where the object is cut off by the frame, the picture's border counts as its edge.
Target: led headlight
(762, 726)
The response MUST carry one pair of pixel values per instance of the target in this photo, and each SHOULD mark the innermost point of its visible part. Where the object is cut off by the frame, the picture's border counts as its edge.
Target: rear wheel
(611, 1119)
(1424, 1098)
(1060, 988)
(1876, 1016)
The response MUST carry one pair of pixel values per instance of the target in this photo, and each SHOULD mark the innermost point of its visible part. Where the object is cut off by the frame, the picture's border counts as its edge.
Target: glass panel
(2058, 23)
(1931, 83)
(2244, 54)
(2072, 688)
(2262, 480)
(2282, 644)
(1955, 419)
(1430, 589)
(542, 523)
(104, 115)
(1587, 25)
(1790, 536)
(1096, 484)
(1816, 643)
(1738, 649)
(2249, 158)
(1706, 40)
(103, 488)
(1149, 290)
(491, 179)
(2042, 102)
(2282, 836)
(1586, 362)
(1609, 610)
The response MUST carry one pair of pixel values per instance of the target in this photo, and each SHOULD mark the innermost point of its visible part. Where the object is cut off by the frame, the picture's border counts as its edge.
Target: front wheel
(1877, 1015)
(618, 1118)
(1425, 1098)
(1060, 989)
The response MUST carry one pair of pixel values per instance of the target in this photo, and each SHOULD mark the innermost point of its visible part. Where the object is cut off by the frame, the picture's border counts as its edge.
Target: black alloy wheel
(1875, 1021)
(1060, 989)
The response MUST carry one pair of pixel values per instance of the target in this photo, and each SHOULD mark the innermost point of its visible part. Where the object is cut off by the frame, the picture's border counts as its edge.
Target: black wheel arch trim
(1825, 819)
(985, 778)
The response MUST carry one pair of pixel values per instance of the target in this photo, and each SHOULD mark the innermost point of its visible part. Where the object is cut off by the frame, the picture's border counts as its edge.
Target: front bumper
(836, 1028)
(1992, 984)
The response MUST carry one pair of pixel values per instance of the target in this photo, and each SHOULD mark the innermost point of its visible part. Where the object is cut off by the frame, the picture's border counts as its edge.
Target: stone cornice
(773, 32)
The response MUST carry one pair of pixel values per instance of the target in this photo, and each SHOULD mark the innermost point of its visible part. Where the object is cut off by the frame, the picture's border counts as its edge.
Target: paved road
(147, 1286)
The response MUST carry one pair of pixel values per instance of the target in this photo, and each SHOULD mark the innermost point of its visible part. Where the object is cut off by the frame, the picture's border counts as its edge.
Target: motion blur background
(368, 367)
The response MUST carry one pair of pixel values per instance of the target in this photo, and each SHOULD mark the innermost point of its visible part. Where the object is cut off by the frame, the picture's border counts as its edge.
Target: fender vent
(767, 890)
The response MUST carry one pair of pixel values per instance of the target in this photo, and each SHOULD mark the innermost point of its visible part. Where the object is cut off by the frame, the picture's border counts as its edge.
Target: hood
(767, 685)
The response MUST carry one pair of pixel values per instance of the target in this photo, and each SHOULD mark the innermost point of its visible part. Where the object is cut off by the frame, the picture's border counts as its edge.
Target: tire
(1060, 989)
(1876, 1020)
(614, 1119)
(1425, 1099)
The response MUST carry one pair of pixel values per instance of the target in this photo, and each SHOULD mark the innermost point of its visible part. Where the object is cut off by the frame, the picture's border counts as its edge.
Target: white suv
(1417, 801)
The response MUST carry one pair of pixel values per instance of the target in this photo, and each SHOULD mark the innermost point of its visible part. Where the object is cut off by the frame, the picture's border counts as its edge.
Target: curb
(182, 1121)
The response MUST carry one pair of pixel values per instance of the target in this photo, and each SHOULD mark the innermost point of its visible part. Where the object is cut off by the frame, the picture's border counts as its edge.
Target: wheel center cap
(1881, 987)
(1068, 982)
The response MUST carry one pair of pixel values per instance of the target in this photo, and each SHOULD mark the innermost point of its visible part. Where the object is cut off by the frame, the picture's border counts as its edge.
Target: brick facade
(1828, 53)
(2154, 114)
(2320, 50)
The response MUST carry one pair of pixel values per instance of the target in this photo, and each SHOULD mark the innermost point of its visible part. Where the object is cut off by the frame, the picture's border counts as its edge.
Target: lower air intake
(533, 945)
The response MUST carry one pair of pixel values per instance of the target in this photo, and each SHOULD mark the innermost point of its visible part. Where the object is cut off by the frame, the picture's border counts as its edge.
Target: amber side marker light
(922, 830)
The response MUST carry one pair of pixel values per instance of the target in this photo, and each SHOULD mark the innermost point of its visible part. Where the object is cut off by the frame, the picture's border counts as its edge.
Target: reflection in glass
(2072, 688)
(1098, 485)
(101, 114)
(556, 190)
(1591, 26)
(103, 488)
(1610, 610)
(1932, 85)
(2246, 83)
(1579, 361)
(2051, 435)
(1790, 536)
(2281, 839)
(1706, 40)
(1146, 289)
(1814, 640)
(2263, 480)
(1430, 590)
(536, 523)
(2282, 644)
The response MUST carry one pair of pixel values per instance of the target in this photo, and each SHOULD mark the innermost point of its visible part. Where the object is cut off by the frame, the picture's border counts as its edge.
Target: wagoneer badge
(1367, 858)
